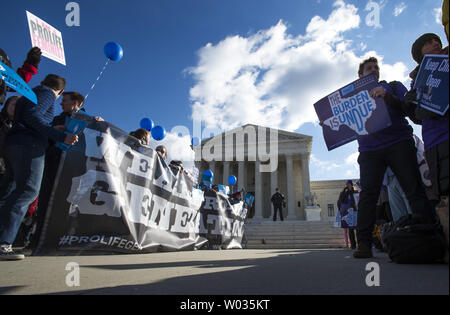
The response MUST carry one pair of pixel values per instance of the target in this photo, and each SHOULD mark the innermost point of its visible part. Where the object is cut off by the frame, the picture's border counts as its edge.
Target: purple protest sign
(351, 112)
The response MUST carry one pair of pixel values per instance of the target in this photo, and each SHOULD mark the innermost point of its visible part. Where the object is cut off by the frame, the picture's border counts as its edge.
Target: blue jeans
(397, 198)
(20, 186)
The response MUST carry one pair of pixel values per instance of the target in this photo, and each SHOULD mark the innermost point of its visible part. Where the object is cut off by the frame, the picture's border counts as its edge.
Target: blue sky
(226, 62)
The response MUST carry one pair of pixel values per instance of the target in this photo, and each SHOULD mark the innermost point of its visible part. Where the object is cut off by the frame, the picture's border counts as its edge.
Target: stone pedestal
(313, 213)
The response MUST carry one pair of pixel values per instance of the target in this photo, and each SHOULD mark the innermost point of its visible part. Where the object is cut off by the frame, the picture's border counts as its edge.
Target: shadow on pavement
(290, 273)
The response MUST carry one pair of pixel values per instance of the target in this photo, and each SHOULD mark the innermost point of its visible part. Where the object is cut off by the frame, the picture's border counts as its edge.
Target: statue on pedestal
(313, 211)
(311, 200)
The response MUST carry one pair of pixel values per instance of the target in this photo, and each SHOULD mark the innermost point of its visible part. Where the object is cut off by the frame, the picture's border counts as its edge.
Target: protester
(25, 156)
(5, 60)
(176, 166)
(236, 197)
(435, 130)
(6, 121)
(391, 147)
(277, 201)
(142, 135)
(346, 202)
(72, 102)
(162, 151)
(398, 202)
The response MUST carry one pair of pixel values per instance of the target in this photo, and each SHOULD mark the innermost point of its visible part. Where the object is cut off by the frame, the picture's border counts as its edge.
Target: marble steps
(295, 246)
(293, 234)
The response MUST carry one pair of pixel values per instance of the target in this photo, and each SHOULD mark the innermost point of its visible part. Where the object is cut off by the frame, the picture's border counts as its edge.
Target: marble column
(305, 177)
(241, 176)
(290, 188)
(258, 193)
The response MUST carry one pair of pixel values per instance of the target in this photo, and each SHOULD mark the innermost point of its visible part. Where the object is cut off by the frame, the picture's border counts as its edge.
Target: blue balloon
(208, 173)
(158, 133)
(113, 51)
(232, 180)
(147, 124)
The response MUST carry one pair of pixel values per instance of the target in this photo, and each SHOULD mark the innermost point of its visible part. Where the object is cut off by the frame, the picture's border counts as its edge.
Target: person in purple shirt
(391, 147)
(435, 130)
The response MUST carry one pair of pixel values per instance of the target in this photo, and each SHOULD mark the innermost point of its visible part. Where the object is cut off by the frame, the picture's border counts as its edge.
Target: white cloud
(273, 78)
(333, 170)
(352, 159)
(438, 15)
(399, 9)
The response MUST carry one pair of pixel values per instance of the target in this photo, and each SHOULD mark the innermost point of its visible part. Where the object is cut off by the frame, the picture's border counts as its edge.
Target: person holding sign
(25, 156)
(391, 147)
(26, 72)
(72, 102)
(435, 125)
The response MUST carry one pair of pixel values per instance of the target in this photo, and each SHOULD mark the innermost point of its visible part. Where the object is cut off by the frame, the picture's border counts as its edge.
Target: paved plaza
(222, 272)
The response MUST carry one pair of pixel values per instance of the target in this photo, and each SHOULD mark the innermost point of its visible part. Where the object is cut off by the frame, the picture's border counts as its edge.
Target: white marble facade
(289, 158)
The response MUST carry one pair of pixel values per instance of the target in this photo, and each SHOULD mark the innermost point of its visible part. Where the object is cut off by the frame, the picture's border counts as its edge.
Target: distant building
(246, 150)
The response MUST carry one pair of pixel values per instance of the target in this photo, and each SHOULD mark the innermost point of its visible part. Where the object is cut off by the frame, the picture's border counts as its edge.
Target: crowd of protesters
(400, 175)
(29, 156)
(389, 160)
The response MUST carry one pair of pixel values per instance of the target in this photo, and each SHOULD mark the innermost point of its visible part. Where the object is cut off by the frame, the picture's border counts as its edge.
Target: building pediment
(283, 136)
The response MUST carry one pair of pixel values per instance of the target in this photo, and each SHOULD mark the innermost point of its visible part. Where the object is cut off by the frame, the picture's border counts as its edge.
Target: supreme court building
(262, 159)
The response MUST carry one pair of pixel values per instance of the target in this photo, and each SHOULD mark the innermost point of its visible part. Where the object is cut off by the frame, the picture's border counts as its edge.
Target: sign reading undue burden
(351, 112)
(15, 82)
(47, 38)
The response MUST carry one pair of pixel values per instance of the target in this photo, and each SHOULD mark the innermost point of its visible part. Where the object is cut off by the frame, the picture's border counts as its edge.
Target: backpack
(411, 241)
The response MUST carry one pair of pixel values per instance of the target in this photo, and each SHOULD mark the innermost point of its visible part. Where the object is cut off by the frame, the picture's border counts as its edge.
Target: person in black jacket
(345, 202)
(277, 201)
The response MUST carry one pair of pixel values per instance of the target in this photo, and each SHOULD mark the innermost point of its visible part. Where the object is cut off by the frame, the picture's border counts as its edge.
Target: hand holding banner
(347, 112)
(75, 127)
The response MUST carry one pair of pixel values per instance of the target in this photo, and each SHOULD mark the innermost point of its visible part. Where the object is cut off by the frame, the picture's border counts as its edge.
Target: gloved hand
(34, 56)
(411, 97)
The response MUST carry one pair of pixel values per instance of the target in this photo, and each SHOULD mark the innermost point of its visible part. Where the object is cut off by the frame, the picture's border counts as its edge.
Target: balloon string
(95, 82)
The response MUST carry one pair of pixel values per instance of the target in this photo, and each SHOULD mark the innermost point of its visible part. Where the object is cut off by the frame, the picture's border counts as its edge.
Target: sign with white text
(116, 195)
(351, 112)
(15, 82)
(432, 84)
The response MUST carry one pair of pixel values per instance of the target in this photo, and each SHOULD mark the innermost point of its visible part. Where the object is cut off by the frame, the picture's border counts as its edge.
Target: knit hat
(416, 49)
(350, 182)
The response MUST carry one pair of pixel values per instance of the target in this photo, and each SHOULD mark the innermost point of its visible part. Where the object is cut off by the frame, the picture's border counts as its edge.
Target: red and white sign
(47, 38)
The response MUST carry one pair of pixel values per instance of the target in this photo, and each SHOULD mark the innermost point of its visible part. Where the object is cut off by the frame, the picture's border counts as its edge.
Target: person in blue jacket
(25, 149)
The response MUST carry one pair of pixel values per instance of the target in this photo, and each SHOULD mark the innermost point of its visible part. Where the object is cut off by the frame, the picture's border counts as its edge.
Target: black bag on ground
(410, 241)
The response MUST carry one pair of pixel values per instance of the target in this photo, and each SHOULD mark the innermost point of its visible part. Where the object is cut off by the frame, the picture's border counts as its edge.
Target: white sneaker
(7, 253)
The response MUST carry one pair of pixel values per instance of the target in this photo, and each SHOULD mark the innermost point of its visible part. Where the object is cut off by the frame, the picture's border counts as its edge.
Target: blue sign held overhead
(15, 82)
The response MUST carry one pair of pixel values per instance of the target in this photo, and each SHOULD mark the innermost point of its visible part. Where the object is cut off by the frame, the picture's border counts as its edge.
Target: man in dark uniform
(277, 201)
